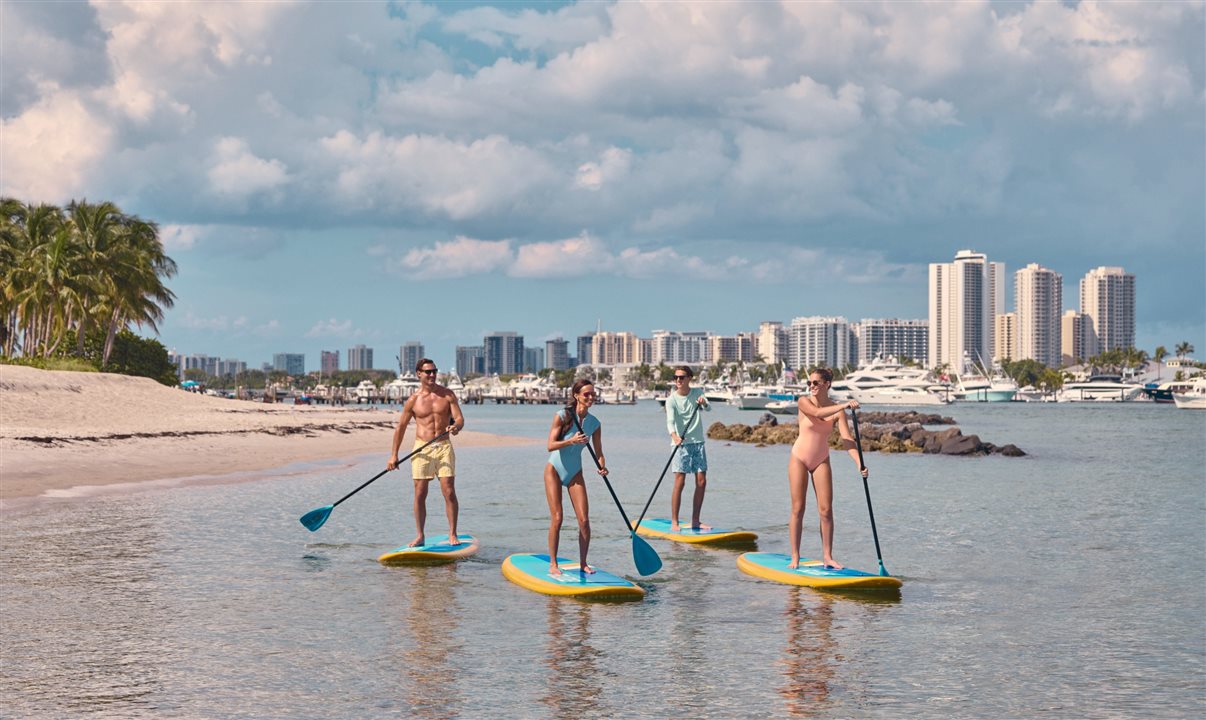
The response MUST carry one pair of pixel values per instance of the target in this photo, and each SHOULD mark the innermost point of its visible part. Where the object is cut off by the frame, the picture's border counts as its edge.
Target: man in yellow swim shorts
(436, 412)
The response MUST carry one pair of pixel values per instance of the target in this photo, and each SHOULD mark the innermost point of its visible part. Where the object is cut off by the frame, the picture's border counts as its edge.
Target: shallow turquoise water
(1069, 583)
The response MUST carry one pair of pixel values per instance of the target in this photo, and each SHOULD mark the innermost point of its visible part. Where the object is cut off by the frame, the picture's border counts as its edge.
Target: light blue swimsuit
(568, 460)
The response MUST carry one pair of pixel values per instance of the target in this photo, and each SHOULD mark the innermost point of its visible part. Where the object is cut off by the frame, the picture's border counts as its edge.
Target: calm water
(1070, 583)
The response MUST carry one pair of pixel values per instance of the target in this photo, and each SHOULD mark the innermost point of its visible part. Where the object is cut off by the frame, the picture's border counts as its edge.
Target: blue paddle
(317, 517)
(643, 555)
(858, 442)
(681, 438)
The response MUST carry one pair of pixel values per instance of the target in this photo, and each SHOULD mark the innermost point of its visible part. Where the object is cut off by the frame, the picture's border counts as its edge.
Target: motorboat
(401, 387)
(980, 388)
(884, 382)
(366, 390)
(1100, 388)
(1163, 392)
(783, 407)
(1194, 398)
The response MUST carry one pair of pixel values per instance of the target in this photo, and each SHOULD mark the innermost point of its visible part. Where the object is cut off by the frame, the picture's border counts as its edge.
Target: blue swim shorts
(690, 458)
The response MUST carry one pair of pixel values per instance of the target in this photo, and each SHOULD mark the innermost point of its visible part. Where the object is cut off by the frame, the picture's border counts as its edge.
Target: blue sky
(328, 174)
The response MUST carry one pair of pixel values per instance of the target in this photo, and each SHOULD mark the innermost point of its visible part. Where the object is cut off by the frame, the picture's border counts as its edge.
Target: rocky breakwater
(893, 432)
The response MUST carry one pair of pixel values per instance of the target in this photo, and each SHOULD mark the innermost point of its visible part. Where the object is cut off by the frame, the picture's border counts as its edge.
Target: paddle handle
(402, 460)
(669, 460)
(599, 465)
(858, 443)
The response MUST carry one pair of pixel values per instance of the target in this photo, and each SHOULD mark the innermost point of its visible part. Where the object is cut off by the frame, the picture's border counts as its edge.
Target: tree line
(73, 280)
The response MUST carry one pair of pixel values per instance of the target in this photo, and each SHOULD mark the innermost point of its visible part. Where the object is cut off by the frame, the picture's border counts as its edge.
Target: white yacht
(402, 387)
(1100, 388)
(1194, 398)
(888, 383)
(366, 390)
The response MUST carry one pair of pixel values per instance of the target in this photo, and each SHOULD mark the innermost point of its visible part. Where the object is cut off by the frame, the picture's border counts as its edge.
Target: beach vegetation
(88, 267)
(68, 364)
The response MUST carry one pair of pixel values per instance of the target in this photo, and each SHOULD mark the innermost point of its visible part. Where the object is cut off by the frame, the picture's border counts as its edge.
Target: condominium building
(556, 354)
(1107, 299)
(230, 367)
(771, 342)
(409, 355)
(503, 353)
(470, 360)
(1072, 338)
(618, 348)
(533, 359)
(330, 362)
(586, 345)
(732, 348)
(817, 341)
(293, 364)
(965, 297)
(360, 358)
(891, 338)
(1005, 338)
(1038, 297)
(680, 348)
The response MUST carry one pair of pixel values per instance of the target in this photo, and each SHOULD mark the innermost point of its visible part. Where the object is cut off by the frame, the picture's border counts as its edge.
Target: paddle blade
(644, 556)
(316, 517)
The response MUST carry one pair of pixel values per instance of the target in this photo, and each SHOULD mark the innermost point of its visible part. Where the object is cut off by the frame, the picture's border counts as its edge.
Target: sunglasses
(589, 394)
(814, 383)
(681, 377)
(429, 372)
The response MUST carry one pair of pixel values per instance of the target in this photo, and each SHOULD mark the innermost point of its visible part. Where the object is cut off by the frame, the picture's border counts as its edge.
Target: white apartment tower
(1072, 338)
(771, 342)
(1107, 299)
(680, 348)
(817, 341)
(965, 297)
(891, 338)
(1005, 337)
(1038, 297)
(617, 348)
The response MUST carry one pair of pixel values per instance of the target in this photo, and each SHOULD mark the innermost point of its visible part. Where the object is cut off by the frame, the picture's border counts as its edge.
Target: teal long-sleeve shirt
(678, 411)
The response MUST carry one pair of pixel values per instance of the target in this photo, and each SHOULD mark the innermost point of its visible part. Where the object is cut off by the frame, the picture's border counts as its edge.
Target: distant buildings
(617, 348)
(503, 353)
(330, 362)
(360, 358)
(814, 341)
(965, 297)
(533, 359)
(409, 355)
(586, 345)
(556, 354)
(891, 338)
(732, 348)
(1107, 300)
(1038, 298)
(293, 364)
(470, 360)
(679, 348)
(1005, 337)
(771, 342)
(1072, 338)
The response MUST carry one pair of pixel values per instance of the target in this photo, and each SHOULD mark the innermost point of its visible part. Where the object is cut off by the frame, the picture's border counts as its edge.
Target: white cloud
(180, 237)
(581, 255)
(611, 167)
(215, 324)
(51, 149)
(455, 258)
(238, 172)
(331, 328)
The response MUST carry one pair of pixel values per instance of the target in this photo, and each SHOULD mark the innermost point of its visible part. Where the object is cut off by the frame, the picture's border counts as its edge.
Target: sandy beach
(60, 430)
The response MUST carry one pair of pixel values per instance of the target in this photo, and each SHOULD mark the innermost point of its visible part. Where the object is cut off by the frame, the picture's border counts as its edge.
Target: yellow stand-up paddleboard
(532, 572)
(660, 528)
(434, 552)
(812, 573)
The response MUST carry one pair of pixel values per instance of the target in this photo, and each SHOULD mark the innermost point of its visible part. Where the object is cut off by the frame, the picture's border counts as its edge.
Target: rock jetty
(883, 432)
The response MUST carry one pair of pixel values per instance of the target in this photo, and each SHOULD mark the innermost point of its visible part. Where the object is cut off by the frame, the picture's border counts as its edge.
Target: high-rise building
(815, 341)
(1107, 299)
(360, 358)
(1072, 338)
(771, 342)
(732, 348)
(533, 359)
(293, 364)
(409, 355)
(679, 348)
(1038, 299)
(230, 367)
(1004, 338)
(586, 344)
(965, 298)
(330, 362)
(470, 360)
(556, 354)
(616, 348)
(504, 353)
(891, 338)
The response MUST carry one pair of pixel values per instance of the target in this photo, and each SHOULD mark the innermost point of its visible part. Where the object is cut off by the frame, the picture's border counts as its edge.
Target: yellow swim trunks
(436, 460)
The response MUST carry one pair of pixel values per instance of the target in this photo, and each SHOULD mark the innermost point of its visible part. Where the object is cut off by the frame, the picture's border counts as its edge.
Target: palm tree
(1183, 349)
(135, 284)
(1159, 355)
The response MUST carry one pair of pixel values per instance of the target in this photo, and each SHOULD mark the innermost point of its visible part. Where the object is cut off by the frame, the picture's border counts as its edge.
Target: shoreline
(60, 431)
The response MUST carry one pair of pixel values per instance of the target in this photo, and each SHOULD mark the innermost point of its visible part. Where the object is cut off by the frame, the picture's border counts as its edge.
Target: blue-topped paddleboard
(435, 551)
(660, 528)
(532, 572)
(812, 573)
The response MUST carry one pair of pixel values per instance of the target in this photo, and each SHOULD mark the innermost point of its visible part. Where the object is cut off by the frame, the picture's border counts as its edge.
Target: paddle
(317, 517)
(668, 461)
(858, 442)
(643, 555)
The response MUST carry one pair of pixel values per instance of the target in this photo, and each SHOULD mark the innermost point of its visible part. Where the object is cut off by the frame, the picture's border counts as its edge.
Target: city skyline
(388, 172)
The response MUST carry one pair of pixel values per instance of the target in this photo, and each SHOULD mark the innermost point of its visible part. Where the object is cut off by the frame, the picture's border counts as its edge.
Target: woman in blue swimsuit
(564, 468)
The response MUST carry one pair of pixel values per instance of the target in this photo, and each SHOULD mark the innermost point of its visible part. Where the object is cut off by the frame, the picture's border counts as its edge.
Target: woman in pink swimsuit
(810, 456)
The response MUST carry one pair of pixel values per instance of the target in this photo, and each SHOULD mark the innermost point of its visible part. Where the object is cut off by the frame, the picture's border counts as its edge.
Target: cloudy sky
(328, 174)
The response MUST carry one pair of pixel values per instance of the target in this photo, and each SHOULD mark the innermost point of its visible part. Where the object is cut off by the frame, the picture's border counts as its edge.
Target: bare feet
(554, 569)
(831, 564)
(674, 526)
(421, 540)
(795, 563)
(587, 569)
(453, 540)
(700, 527)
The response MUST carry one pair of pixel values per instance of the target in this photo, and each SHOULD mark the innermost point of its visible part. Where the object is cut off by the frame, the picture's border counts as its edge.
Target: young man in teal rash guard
(690, 456)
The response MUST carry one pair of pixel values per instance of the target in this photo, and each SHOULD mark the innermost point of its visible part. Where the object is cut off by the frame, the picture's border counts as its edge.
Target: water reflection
(431, 645)
(575, 681)
(811, 654)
